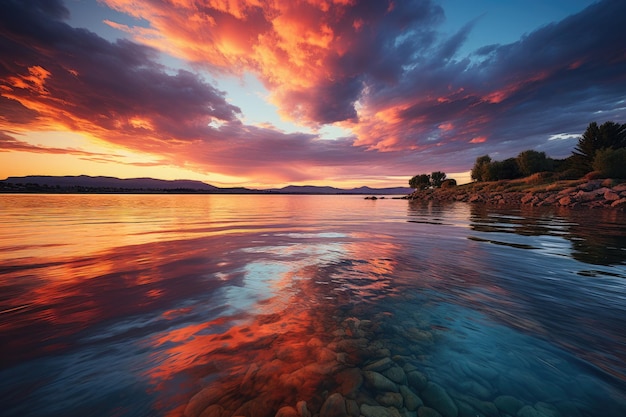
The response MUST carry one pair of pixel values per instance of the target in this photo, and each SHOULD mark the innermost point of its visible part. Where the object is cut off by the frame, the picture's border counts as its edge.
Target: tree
(503, 170)
(436, 178)
(608, 135)
(530, 162)
(610, 162)
(420, 181)
(480, 171)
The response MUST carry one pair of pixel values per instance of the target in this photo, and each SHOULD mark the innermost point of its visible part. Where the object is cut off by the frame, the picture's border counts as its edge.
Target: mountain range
(85, 183)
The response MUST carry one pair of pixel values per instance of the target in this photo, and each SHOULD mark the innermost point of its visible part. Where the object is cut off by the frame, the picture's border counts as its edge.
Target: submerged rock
(487, 408)
(379, 365)
(217, 410)
(302, 409)
(466, 410)
(411, 401)
(396, 374)
(528, 411)
(547, 410)
(508, 404)
(353, 408)
(417, 380)
(203, 399)
(476, 389)
(334, 406)
(390, 399)
(349, 381)
(436, 397)
(376, 411)
(428, 412)
(379, 381)
(260, 406)
(282, 412)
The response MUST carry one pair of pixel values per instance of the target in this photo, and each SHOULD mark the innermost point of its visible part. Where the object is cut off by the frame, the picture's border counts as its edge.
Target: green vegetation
(435, 179)
(609, 135)
(600, 148)
(610, 163)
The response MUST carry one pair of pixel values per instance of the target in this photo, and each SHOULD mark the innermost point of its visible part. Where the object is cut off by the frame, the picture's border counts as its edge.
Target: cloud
(314, 56)
(59, 77)
(58, 74)
(380, 69)
(8, 144)
(553, 80)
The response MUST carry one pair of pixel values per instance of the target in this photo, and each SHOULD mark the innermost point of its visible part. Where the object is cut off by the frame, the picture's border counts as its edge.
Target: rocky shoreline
(596, 193)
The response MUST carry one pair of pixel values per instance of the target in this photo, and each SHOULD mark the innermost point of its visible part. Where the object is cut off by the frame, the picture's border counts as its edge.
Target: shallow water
(132, 305)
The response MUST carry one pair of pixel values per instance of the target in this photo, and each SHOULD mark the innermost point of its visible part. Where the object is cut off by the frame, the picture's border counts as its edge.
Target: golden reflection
(295, 346)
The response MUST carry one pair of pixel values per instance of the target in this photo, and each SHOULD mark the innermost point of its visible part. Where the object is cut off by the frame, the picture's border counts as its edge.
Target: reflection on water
(311, 305)
(602, 244)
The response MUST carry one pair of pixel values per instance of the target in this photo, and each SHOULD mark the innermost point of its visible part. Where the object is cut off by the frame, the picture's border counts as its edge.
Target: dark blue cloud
(554, 80)
(92, 79)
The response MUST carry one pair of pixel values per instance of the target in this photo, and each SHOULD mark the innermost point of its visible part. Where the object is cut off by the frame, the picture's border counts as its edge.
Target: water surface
(132, 305)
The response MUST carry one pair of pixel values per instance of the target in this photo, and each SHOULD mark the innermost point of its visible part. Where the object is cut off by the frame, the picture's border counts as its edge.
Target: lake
(225, 305)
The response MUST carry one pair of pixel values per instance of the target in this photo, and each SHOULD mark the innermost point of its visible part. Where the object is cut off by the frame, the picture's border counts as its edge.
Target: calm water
(156, 305)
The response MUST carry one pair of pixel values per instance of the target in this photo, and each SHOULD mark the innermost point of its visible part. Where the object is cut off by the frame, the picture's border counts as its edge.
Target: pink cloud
(479, 139)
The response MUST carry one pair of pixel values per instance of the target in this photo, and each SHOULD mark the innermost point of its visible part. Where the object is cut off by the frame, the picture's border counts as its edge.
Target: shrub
(449, 183)
(593, 175)
(610, 163)
(538, 177)
(570, 174)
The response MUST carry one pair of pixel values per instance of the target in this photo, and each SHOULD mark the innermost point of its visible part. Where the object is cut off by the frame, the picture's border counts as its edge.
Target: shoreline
(534, 192)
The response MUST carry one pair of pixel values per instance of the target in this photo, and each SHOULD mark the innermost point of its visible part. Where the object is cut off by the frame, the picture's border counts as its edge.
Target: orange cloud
(34, 81)
(479, 139)
(293, 46)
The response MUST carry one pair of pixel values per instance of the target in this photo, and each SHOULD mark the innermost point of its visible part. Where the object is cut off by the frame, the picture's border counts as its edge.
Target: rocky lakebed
(398, 363)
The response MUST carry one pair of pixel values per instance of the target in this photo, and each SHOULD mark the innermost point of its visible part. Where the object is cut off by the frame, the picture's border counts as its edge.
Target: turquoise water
(135, 305)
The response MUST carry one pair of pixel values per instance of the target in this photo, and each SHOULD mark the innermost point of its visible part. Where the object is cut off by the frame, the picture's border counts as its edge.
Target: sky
(321, 92)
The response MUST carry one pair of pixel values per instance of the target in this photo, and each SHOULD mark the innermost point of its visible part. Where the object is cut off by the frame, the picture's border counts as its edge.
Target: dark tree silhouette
(608, 135)
(503, 170)
(611, 162)
(436, 178)
(420, 182)
(480, 171)
(530, 162)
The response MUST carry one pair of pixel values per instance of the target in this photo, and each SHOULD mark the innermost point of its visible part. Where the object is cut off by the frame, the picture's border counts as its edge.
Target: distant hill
(387, 191)
(312, 189)
(85, 183)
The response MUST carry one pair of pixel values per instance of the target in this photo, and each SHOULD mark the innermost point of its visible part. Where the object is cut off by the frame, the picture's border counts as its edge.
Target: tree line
(435, 179)
(600, 148)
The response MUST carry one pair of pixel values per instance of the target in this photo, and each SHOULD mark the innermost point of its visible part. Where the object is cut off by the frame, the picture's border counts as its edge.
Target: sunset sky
(323, 92)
